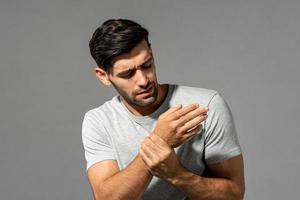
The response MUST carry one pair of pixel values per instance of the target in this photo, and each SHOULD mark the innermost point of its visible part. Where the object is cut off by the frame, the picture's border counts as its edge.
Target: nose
(142, 79)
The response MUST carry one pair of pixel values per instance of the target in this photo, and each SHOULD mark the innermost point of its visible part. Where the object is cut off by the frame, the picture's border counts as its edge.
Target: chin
(145, 102)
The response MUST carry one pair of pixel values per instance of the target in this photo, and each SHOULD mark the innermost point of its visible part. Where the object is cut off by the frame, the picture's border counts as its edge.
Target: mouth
(145, 91)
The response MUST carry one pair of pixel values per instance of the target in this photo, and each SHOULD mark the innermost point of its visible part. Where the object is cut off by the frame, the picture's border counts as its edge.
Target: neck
(147, 110)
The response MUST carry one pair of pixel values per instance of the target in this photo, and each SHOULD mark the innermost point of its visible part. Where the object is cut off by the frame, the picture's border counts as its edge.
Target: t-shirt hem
(225, 156)
(97, 160)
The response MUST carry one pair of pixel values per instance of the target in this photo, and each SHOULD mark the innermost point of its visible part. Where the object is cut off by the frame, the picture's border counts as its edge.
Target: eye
(128, 74)
(147, 65)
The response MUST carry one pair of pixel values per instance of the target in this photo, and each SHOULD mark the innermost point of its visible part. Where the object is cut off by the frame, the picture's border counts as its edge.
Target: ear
(102, 76)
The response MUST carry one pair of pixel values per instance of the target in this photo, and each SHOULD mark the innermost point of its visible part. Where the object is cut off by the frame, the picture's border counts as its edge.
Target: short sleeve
(221, 141)
(96, 143)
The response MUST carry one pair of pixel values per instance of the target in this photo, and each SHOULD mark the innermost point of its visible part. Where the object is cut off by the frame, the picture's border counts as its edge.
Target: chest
(129, 136)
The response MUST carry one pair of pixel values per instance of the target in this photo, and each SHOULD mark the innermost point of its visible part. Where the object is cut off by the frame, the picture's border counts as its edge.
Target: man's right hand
(179, 124)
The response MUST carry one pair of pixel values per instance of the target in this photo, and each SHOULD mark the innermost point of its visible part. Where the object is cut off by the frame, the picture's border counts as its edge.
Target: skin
(162, 161)
(131, 74)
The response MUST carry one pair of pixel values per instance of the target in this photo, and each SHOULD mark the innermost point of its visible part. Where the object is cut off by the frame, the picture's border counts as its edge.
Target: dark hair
(115, 37)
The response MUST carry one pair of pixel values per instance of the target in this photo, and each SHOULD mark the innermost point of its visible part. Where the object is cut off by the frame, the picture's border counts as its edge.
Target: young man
(156, 141)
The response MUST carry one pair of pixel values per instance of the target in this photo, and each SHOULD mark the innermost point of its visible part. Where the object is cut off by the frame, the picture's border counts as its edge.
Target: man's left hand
(160, 158)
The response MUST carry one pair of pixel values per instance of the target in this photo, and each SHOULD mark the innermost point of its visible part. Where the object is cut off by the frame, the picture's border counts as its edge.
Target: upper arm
(221, 141)
(99, 172)
(99, 152)
(232, 169)
(223, 154)
(96, 140)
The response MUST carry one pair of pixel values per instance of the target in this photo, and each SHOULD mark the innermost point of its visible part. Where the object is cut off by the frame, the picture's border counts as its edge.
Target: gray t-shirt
(112, 132)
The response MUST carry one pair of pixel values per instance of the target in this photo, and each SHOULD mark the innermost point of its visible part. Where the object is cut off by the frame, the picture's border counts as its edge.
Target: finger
(145, 158)
(149, 148)
(171, 110)
(192, 123)
(194, 129)
(158, 145)
(201, 111)
(152, 158)
(186, 137)
(192, 133)
(161, 144)
(181, 112)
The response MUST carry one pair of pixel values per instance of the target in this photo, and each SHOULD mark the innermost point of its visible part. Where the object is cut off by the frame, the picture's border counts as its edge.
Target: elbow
(105, 195)
(239, 192)
(96, 195)
(239, 196)
(99, 194)
(242, 193)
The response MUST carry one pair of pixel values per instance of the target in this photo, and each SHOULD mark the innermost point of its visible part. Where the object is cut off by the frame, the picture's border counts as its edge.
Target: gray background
(247, 50)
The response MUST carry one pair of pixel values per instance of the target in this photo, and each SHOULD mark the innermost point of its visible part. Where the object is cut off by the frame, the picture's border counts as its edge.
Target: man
(155, 141)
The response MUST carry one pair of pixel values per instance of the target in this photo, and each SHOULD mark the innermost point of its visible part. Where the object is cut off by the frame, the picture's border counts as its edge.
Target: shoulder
(191, 94)
(211, 98)
(102, 112)
(96, 121)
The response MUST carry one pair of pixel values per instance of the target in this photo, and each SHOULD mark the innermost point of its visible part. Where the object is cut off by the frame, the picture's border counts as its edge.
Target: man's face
(133, 76)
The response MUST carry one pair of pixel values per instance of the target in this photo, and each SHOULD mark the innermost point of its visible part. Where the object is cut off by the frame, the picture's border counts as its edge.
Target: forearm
(129, 183)
(198, 187)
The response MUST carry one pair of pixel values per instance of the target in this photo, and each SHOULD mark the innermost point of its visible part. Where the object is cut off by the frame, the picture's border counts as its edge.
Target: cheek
(152, 74)
(127, 88)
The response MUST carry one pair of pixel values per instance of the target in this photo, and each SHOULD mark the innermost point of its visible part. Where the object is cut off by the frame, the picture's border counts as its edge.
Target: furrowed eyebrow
(124, 73)
(148, 60)
(129, 70)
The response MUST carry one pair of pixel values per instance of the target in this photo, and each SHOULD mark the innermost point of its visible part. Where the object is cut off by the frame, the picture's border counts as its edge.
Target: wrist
(160, 137)
(183, 178)
(180, 174)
